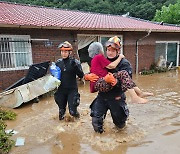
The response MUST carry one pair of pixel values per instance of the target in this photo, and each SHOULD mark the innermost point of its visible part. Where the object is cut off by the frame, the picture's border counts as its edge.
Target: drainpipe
(137, 45)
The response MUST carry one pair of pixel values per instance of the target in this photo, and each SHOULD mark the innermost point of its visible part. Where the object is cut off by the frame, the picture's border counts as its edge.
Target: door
(172, 53)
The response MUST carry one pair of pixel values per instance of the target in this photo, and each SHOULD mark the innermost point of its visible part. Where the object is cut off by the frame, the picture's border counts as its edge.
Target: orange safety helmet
(114, 42)
(65, 46)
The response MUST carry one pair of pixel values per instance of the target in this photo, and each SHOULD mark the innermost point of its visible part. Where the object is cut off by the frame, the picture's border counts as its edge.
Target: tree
(102, 7)
(80, 5)
(170, 14)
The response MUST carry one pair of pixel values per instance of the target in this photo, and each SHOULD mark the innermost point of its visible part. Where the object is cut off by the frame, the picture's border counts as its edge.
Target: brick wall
(7, 78)
(146, 49)
(146, 56)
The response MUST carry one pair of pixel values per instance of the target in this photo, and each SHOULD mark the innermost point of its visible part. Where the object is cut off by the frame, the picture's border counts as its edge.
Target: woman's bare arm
(113, 64)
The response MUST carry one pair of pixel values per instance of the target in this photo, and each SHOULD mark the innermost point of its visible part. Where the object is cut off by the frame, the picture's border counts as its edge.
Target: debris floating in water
(20, 141)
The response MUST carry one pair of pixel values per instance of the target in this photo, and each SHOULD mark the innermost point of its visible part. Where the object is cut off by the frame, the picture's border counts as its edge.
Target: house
(31, 34)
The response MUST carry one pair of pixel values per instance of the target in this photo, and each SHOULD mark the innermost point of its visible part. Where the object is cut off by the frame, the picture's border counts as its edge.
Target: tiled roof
(19, 15)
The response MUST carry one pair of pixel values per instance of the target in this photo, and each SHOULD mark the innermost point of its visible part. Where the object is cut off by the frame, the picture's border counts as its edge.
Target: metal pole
(137, 58)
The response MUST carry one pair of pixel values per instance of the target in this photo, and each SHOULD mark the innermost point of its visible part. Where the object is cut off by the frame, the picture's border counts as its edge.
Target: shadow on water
(150, 128)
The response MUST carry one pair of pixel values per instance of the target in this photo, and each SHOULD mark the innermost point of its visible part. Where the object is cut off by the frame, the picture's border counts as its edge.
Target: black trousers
(99, 108)
(70, 96)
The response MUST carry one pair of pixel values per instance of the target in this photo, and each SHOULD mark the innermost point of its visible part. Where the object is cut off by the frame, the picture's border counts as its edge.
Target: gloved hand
(91, 77)
(109, 78)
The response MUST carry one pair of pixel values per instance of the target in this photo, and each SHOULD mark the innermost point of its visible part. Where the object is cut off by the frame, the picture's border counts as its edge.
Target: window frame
(99, 36)
(178, 49)
(12, 51)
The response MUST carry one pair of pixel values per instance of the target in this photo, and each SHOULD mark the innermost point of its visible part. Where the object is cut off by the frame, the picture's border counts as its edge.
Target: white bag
(51, 83)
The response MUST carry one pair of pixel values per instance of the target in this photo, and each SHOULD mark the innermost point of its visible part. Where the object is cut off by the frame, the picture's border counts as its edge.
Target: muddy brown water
(151, 128)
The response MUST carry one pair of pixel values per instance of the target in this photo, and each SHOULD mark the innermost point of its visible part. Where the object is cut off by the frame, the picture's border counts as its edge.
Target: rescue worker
(115, 99)
(68, 90)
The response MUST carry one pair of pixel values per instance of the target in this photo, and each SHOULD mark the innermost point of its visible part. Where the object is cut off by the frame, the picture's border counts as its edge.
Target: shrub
(5, 142)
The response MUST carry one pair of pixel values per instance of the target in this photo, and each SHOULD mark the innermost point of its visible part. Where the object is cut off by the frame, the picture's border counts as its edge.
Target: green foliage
(102, 7)
(170, 14)
(2, 125)
(143, 9)
(157, 70)
(7, 115)
(5, 142)
(147, 72)
(153, 69)
(80, 5)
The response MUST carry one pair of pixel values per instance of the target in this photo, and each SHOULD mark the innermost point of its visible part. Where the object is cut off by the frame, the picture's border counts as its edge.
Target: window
(15, 52)
(169, 50)
(83, 44)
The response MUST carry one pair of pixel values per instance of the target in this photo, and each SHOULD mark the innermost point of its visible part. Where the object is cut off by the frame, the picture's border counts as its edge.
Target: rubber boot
(61, 114)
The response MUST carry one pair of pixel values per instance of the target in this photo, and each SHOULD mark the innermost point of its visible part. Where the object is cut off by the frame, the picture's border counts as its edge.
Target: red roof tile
(16, 15)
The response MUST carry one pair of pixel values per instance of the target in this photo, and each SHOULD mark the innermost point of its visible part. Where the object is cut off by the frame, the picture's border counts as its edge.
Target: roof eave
(86, 29)
(129, 29)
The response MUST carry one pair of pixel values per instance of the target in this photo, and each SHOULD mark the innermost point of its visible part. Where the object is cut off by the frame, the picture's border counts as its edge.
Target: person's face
(112, 52)
(65, 54)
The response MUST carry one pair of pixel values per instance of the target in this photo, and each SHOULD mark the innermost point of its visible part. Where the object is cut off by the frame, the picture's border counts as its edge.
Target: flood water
(151, 128)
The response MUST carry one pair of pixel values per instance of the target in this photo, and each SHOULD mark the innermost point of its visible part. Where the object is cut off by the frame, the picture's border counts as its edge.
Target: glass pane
(103, 41)
(5, 53)
(15, 51)
(21, 49)
(172, 53)
(160, 51)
